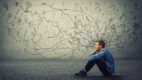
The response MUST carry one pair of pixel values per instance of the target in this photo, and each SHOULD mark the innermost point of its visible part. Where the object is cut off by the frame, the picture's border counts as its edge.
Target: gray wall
(69, 28)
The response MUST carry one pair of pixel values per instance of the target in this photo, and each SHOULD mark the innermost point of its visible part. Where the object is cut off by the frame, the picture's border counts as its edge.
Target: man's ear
(101, 46)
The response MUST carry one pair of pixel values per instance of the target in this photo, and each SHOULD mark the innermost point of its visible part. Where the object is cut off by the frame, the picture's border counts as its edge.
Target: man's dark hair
(101, 42)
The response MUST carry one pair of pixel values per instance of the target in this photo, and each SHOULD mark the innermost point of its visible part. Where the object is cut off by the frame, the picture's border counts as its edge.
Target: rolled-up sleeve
(96, 56)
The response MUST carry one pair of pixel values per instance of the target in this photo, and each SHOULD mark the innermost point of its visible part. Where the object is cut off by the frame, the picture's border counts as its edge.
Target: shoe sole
(80, 76)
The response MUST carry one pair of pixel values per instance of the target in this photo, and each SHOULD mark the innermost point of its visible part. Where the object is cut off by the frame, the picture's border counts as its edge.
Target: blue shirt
(105, 56)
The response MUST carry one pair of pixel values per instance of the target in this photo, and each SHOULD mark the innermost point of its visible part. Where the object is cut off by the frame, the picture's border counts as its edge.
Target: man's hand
(94, 52)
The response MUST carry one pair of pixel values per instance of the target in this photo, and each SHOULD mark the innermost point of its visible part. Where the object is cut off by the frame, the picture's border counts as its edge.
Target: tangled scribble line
(54, 32)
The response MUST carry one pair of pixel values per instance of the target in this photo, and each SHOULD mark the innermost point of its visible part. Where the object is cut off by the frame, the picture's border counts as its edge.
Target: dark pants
(101, 65)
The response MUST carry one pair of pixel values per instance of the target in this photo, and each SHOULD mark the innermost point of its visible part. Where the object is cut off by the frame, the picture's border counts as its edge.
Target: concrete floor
(64, 70)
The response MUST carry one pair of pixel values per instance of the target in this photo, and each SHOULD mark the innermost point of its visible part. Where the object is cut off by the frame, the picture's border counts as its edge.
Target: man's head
(99, 45)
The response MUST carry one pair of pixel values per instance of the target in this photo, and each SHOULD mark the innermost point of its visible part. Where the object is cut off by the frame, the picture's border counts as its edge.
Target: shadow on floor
(113, 77)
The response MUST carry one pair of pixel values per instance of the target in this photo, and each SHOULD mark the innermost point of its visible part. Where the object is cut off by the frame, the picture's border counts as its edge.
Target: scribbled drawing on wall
(54, 32)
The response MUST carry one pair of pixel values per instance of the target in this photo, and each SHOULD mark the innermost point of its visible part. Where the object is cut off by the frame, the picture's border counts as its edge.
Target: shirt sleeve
(97, 55)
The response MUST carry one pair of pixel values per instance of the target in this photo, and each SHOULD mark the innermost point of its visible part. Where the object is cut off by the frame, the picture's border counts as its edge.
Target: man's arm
(94, 52)
(96, 56)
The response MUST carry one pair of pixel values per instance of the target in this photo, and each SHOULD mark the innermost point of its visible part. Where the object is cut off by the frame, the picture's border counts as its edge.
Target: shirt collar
(103, 49)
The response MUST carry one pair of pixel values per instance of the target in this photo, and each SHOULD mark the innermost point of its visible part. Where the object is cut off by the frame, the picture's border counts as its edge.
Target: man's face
(97, 46)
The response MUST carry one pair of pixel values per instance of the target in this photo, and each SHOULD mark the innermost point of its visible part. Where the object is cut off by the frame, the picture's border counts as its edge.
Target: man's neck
(100, 49)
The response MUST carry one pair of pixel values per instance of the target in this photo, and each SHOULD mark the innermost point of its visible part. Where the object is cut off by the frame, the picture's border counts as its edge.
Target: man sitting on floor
(102, 57)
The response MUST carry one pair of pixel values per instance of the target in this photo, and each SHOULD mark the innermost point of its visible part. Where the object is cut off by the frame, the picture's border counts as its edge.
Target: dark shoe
(81, 74)
(108, 75)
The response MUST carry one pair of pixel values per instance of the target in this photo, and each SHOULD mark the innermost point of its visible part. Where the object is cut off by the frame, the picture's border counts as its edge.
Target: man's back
(109, 61)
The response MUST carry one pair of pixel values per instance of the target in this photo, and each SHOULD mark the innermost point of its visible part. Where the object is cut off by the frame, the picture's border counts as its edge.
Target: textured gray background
(68, 28)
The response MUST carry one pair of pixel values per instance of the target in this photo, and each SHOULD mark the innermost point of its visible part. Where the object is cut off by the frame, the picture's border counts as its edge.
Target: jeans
(101, 65)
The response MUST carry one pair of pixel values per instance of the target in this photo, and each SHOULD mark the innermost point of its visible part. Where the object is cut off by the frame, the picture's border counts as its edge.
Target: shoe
(81, 74)
(108, 75)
